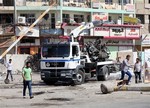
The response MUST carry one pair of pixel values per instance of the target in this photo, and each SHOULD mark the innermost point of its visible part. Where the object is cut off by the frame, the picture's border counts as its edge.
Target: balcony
(98, 5)
(35, 3)
(116, 6)
(6, 8)
(75, 3)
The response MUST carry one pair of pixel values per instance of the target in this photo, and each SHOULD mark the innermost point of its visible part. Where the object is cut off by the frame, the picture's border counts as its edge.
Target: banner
(100, 16)
(34, 32)
(147, 66)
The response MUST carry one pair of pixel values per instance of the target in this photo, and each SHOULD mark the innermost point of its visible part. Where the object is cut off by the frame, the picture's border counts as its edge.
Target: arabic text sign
(101, 31)
(117, 32)
(132, 32)
(100, 16)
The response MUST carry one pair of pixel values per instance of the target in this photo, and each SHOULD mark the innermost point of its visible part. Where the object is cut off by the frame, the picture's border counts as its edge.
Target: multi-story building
(143, 13)
(72, 12)
(6, 24)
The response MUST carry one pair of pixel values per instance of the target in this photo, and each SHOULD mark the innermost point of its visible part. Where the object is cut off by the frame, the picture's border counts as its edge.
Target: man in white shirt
(125, 68)
(137, 70)
(9, 69)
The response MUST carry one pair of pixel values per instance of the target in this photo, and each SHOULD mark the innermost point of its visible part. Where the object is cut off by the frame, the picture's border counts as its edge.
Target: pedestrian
(137, 71)
(125, 69)
(27, 80)
(9, 69)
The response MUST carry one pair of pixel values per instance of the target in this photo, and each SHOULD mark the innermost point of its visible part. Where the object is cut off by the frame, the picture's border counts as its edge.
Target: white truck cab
(60, 62)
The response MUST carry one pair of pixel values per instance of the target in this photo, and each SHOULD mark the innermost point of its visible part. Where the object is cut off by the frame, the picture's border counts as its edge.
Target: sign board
(147, 66)
(34, 32)
(101, 31)
(146, 39)
(132, 32)
(95, 4)
(100, 16)
(130, 8)
(117, 32)
(68, 29)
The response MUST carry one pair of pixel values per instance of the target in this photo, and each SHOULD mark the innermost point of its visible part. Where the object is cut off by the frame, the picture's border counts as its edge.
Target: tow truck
(67, 62)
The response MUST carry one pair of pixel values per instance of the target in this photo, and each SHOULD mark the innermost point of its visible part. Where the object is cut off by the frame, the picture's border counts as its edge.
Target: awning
(7, 43)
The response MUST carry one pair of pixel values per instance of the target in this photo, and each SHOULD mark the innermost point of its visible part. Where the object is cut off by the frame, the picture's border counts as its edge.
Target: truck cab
(60, 61)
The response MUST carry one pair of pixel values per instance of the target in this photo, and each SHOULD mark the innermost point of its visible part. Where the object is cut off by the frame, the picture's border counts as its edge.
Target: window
(45, 0)
(56, 50)
(88, 18)
(46, 16)
(53, 20)
(30, 18)
(80, 1)
(75, 51)
(66, 18)
(24, 50)
(6, 18)
(108, 1)
(8, 2)
(31, 0)
(79, 18)
(27, 41)
(141, 18)
(124, 2)
(149, 24)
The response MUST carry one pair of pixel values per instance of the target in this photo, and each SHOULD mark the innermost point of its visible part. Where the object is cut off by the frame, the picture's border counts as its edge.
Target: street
(87, 95)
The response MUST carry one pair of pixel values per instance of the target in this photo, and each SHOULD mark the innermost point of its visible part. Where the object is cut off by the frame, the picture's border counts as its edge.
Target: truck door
(75, 54)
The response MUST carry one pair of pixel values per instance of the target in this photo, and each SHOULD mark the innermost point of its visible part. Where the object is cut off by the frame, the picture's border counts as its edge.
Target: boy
(27, 80)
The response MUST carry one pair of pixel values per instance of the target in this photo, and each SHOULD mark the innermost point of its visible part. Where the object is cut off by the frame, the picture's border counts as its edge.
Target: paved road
(87, 95)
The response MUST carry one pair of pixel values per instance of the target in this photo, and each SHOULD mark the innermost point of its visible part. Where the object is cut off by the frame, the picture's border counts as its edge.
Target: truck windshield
(56, 51)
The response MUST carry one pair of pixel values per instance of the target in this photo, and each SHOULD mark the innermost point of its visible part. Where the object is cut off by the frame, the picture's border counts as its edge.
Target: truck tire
(105, 75)
(80, 78)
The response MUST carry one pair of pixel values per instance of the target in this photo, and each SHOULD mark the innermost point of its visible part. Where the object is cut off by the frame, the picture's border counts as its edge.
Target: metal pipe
(23, 33)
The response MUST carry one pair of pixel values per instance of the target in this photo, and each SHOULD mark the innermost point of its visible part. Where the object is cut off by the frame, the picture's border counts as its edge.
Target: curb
(108, 87)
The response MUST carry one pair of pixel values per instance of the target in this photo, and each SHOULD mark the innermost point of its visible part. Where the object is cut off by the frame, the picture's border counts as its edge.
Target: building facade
(143, 13)
(70, 12)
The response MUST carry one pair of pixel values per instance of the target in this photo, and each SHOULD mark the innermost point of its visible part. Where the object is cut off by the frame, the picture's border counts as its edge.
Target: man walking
(125, 69)
(9, 69)
(27, 80)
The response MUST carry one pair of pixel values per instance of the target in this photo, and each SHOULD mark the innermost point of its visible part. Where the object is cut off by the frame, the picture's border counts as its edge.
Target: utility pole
(15, 21)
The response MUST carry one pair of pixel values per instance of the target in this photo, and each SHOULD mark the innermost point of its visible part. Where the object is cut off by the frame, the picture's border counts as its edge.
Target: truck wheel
(80, 77)
(105, 75)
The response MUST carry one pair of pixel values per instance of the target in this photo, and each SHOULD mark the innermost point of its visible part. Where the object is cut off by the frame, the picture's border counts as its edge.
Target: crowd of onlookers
(124, 67)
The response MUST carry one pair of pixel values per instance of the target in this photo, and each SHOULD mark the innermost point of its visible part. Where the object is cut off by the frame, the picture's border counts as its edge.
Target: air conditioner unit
(21, 20)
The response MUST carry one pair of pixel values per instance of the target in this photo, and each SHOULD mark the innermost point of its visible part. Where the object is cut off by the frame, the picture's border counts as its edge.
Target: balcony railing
(98, 5)
(2, 8)
(77, 4)
(35, 3)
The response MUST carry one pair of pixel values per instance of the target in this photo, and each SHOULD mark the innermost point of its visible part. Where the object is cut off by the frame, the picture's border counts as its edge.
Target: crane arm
(23, 33)
(75, 33)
